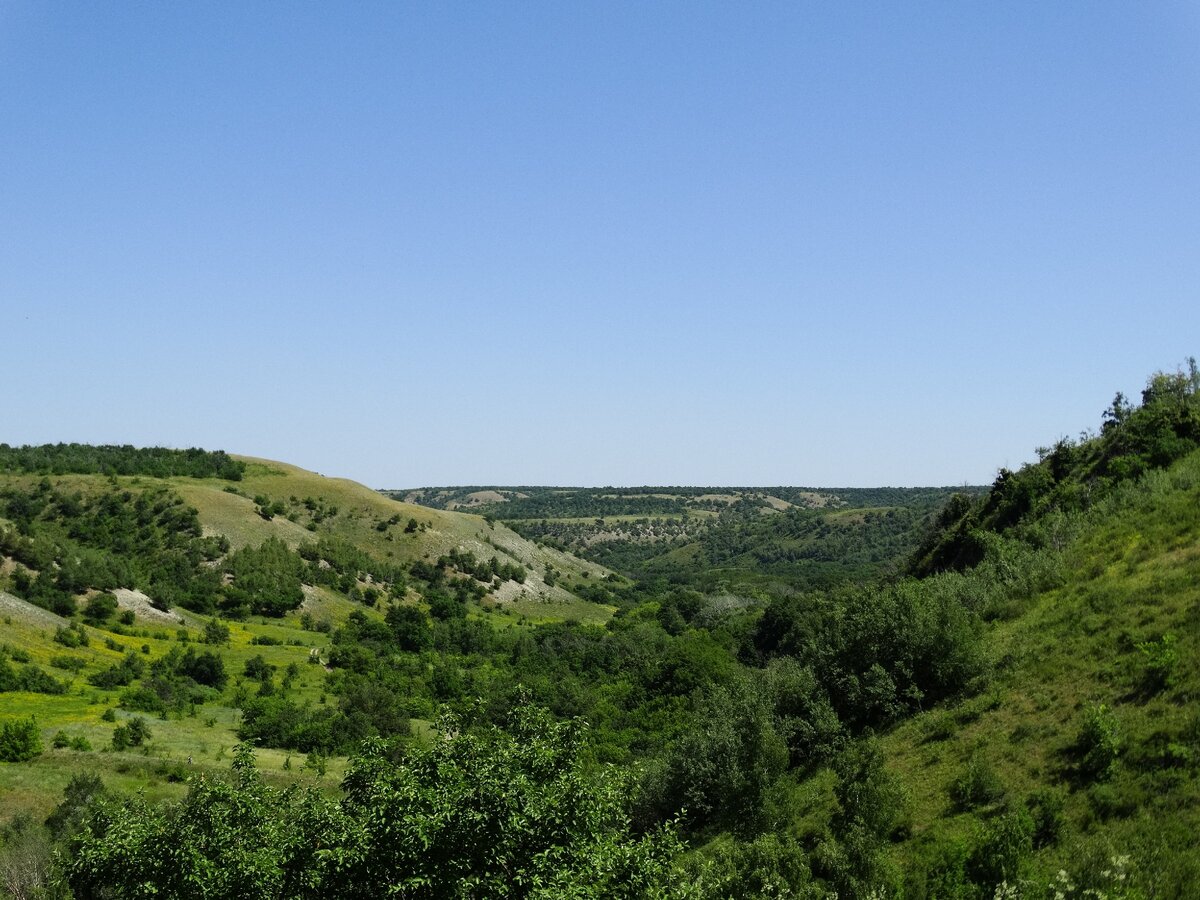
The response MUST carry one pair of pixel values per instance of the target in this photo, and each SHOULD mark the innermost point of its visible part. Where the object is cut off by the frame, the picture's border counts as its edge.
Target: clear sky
(595, 243)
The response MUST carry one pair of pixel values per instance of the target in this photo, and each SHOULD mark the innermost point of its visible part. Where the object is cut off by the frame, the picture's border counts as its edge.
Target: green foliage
(879, 653)
(410, 628)
(1045, 808)
(84, 459)
(133, 733)
(108, 539)
(130, 668)
(1098, 745)
(978, 785)
(1003, 850)
(67, 817)
(19, 740)
(1071, 476)
(871, 805)
(28, 678)
(216, 632)
(258, 669)
(722, 767)
(73, 636)
(493, 814)
(266, 580)
(100, 609)
(1161, 661)
(771, 865)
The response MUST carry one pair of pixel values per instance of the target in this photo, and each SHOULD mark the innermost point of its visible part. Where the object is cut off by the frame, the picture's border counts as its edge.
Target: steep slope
(1092, 711)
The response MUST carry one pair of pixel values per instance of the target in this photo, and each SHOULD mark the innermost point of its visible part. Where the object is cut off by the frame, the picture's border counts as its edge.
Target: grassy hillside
(360, 513)
(1011, 712)
(1115, 643)
(268, 500)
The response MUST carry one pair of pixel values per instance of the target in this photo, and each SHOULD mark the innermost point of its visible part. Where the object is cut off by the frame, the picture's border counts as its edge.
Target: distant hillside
(736, 537)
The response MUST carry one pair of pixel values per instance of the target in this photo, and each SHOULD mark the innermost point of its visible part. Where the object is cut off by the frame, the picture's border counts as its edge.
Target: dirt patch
(777, 503)
(815, 500)
(17, 608)
(477, 498)
(143, 608)
(311, 596)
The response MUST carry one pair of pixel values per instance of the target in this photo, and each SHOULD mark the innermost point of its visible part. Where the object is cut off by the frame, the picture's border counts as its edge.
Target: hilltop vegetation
(87, 459)
(1002, 705)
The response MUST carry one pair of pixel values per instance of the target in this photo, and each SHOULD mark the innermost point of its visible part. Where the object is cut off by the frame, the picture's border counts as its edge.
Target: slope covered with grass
(1091, 723)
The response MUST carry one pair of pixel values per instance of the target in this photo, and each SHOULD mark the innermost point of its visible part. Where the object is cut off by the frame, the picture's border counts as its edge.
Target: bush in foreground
(477, 814)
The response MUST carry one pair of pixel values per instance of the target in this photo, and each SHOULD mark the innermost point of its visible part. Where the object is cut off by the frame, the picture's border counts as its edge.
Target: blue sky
(572, 243)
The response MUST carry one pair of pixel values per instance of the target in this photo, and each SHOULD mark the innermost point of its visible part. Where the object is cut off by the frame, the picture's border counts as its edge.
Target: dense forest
(900, 693)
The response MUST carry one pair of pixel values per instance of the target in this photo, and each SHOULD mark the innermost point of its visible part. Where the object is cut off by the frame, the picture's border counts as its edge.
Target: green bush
(73, 636)
(100, 608)
(978, 785)
(474, 815)
(19, 741)
(1099, 743)
(1046, 812)
(1006, 844)
(1161, 659)
(134, 733)
(216, 632)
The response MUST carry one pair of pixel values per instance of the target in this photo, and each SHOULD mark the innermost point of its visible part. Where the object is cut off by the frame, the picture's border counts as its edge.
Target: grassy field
(179, 744)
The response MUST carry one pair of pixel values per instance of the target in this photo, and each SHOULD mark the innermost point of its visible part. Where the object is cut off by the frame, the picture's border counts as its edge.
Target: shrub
(1161, 659)
(67, 817)
(72, 636)
(100, 608)
(474, 815)
(216, 632)
(978, 785)
(1046, 812)
(19, 741)
(1007, 842)
(1099, 743)
(258, 669)
(139, 731)
(68, 663)
(133, 734)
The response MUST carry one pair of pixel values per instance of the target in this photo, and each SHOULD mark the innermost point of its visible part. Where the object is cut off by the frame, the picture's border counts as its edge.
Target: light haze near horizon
(594, 244)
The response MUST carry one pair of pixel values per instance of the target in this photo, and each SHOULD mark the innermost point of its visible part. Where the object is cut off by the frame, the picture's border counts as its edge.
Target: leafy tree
(722, 767)
(83, 789)
(258, 668)
(410, 628)
(870, 806)
(100, 608)
(488, 814)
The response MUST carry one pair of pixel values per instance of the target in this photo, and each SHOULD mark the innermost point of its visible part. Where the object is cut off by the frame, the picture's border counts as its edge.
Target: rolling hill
(270, 501)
